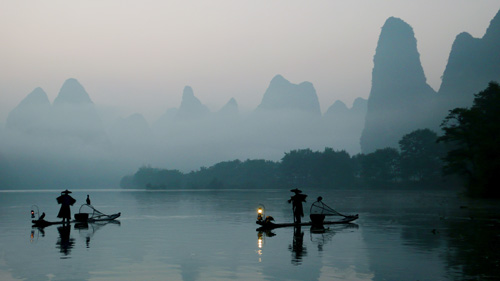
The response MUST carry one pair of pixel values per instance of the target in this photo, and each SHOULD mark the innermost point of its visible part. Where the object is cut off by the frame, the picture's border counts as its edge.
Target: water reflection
(65, 243)
(261, 235)
(319, 236)
(297, 247)
(474, 245)
(196, 237)
(35, 234)
(84, 226)
(87, 230)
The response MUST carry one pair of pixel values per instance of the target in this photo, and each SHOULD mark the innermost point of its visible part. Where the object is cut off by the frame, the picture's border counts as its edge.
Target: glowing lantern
(33, 207)
(260, 212)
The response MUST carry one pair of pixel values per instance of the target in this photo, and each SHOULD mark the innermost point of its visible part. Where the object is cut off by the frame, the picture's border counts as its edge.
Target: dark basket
(81, 217)
(317, 218)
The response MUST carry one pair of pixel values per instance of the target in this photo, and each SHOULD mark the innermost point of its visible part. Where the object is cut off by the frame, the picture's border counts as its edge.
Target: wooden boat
(90, 215)
(272, 225)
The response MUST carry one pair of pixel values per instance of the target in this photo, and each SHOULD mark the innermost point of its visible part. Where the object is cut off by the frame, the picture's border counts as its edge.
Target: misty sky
(139, 55)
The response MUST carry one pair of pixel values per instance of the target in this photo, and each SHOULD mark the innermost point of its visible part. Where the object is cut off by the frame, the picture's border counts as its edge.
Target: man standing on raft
(296, 201)
(65, 200)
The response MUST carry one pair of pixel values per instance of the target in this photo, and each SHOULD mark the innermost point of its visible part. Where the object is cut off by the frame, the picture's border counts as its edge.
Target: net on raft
(92, 212)
(320, 208)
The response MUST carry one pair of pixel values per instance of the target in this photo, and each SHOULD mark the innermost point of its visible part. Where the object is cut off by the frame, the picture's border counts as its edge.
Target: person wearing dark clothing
(65, 200)
(296, 200)
(88, 200)
(317, 212)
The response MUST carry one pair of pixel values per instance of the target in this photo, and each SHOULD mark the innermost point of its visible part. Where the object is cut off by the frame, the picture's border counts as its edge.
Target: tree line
(417, 162)
(467, 153)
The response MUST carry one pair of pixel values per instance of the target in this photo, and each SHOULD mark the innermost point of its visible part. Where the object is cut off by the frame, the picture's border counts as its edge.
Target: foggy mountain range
(65, 144)
(400, 99)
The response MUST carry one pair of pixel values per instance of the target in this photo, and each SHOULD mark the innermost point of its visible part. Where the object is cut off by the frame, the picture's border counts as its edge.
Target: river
(211, 235)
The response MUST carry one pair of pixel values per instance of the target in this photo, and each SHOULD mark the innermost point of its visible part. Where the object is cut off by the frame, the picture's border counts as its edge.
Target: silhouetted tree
(297, 167)
(236, 174)
(381, 168)
(421, 156)
(214, 176)
(473, 136)
(157, 178)
(259, 174)
(334, 169)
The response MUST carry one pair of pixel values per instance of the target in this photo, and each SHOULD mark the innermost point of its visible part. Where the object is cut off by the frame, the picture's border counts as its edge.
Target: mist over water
(68, 143)
(211, 235)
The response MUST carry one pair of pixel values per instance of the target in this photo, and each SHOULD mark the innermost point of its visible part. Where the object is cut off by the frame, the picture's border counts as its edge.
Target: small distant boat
(87, 213)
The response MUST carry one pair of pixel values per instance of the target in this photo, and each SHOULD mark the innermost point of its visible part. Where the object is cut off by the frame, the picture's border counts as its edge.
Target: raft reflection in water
(66, 240)
(65, 243)
(297, 247)
(319, 235)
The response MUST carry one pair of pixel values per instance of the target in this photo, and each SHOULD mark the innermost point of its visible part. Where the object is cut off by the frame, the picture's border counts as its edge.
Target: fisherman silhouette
(317, 216)
(296, 201)
(65, 200)
(88, 200)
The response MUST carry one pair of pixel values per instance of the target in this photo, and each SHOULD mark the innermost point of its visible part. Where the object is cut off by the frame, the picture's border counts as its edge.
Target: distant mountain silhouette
(283, 95)
(345, 124)
(72, 135)
(72, 92)
(337, 110)
(360, 105)
(400, 99)
(191, 110)
(32, 113)
(36, 97)
(57, 145)
(229, 110)
(62, 143)
(472, 64)
(74, 114)
(191, 107)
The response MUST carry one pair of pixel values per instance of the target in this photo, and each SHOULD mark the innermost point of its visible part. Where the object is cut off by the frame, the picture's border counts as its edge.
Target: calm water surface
(211, 235)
